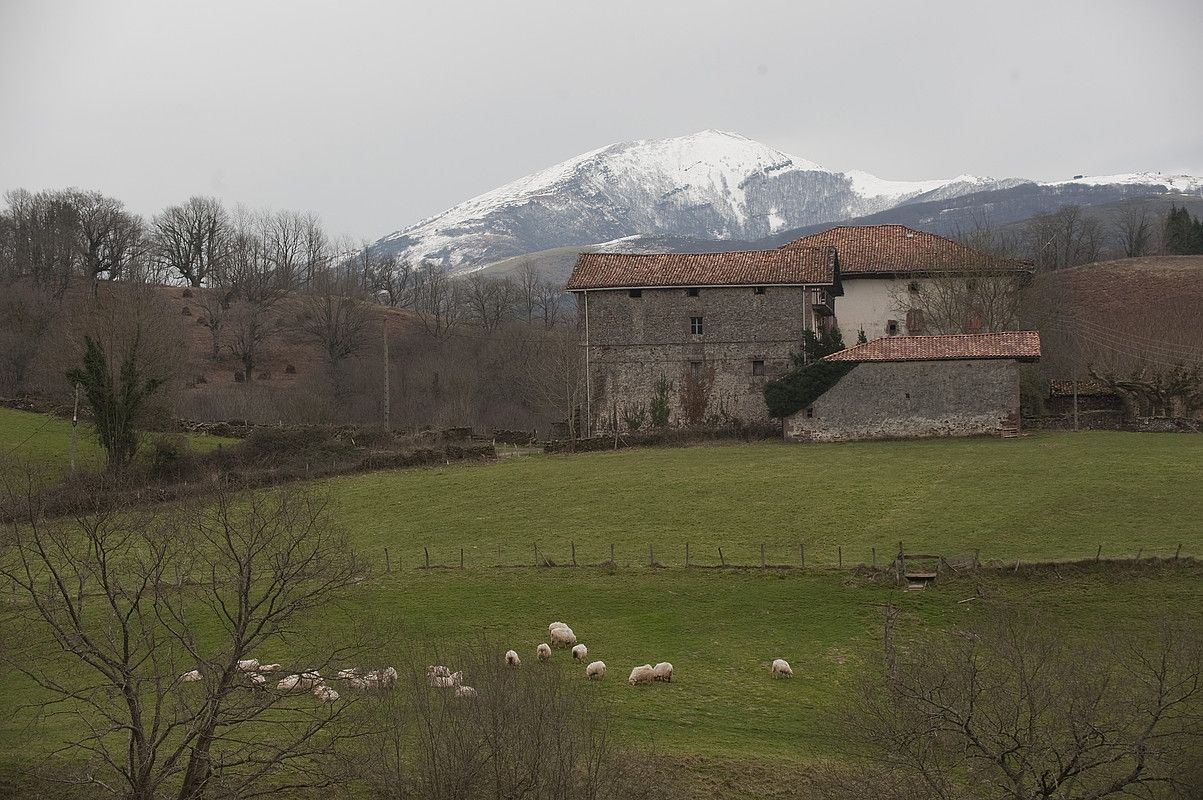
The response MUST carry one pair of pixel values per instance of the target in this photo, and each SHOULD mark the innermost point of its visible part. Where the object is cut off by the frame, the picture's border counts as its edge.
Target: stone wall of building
(632, 342)
(913, 399)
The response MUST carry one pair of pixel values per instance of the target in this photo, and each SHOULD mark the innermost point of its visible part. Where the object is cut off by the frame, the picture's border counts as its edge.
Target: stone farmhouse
(706, 330)
(919, 386)
(883, 268)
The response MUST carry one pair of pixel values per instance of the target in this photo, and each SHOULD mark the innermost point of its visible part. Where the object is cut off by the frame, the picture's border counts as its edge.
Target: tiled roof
(867, 249)
(815, 266)
(1021, 345)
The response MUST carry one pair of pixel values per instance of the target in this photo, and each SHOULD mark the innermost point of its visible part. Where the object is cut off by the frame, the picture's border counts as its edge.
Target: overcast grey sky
(375, 114)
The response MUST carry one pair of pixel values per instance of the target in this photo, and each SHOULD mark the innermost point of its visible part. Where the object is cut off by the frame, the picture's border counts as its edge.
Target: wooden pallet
(1009, 432)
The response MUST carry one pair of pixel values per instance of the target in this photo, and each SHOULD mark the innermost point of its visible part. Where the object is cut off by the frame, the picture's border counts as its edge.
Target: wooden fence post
(762, 564)
(721, 560)
(388, 566)
(839, 550)
(573, 553)
(874, 557)
(427, 549)
(1098, 554)
(1139, 553)
(1178, 551)
(499, 555)
(461, 558)
(801, 555)
(536, 544)
(687, 554)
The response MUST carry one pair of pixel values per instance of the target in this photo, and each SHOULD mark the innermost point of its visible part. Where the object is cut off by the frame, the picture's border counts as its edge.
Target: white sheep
(325, 693)
(543, 651)
(465, 691)
(579, 652)
(643, 674)
(268, 667)
(596, 671)
(555, 625)
(191, 677)
(442, 681)
(781, 669)
(511, 659)
(257, 679)
(663, 671)
(349, 674)
(563, 637)
(248, 665)
(440, 670)
(306, 680)
(288, 683)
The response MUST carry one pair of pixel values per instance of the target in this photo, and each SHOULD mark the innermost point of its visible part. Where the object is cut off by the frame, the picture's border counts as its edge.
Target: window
(636, 293)
(914, 322)
(695, 369)
(695, 326)
(810, 412)
(759, 290)
(891, 327)
(757, 367)
(913, 287)
(691, 292)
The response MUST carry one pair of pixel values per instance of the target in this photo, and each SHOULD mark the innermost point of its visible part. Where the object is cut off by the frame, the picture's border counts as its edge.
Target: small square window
(636, 293)
(695, 368)
(891, 327)
(757, 367)
(759, 290)
(810, 412)
(691, 292)
(695, 326)
(913, 287)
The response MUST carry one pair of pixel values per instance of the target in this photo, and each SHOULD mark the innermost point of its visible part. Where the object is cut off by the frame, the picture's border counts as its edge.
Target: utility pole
(387, 401)
(74, 425)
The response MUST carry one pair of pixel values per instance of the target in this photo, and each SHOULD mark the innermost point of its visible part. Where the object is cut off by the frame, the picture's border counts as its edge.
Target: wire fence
(802, 556)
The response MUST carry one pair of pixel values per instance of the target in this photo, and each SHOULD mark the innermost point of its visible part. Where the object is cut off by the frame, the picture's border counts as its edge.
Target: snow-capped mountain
(712, 185)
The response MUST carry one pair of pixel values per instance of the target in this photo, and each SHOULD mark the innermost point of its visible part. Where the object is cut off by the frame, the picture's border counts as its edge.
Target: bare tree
(215, 303)
(41, 238)
(117, 607)
(529, 733)
(1011, 707)
(438, 300)
(983, 295)
(333, 321)
(1065, 238)
(1132, 225)
(194, 240)
(554, 370)
(250, 325)
(528, 289)
(549, 303)
(490, 301)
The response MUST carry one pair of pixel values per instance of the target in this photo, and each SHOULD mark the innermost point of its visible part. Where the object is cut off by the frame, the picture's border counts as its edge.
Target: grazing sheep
(596, 671)
(579, 652)
(442, 681)
(288, 683)
(663, 671)
(465, 691)
(643, 674)
(457, 678)
(555, 625)
(191, 677)
(563, 637)
(349, 674)
(440, 670)
(306, 680)
(543, 651)
(780, 669)
(325, 693)
(511, 659)
(248, 665)
(257, 679)
(268, 667)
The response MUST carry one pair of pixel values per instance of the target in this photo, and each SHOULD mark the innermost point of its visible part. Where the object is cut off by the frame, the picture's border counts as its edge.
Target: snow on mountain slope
(1185, 184)
(712, 185)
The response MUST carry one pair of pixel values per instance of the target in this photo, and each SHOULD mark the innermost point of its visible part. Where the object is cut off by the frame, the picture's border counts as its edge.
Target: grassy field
(1050, 496)
(45, 440)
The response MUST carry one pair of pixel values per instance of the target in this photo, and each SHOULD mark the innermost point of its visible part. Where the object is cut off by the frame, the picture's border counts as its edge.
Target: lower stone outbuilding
(903, 387)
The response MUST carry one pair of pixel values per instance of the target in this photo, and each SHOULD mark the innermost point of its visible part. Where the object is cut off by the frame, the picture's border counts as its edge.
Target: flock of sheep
(442, 677)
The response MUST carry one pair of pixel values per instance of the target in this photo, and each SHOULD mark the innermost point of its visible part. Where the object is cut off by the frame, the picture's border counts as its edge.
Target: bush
(659, 406)
(171, 459)
(801, 386)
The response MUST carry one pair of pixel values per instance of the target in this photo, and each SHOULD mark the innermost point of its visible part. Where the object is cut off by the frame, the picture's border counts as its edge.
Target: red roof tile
(867, 249)
(1021, 345)
(807, 265)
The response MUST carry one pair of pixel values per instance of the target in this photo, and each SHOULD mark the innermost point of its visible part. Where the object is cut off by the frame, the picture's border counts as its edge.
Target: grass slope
(1047, 496)
(45, 440)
